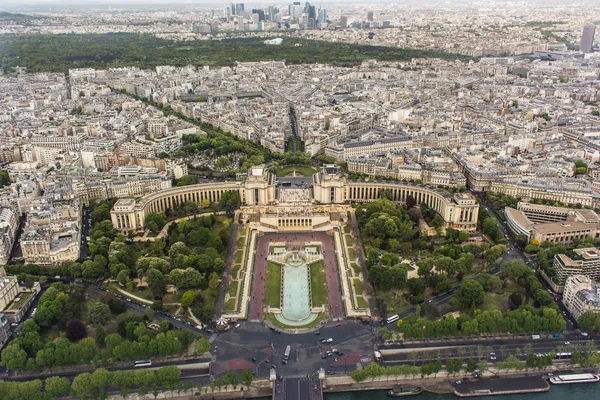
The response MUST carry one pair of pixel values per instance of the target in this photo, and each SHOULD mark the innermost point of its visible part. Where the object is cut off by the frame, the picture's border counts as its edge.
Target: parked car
(329, 340)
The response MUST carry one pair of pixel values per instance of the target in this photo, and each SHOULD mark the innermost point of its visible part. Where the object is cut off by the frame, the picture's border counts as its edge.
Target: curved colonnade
(458, 211)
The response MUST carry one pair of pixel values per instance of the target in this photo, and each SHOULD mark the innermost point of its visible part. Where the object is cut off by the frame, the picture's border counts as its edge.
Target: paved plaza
(336, 310)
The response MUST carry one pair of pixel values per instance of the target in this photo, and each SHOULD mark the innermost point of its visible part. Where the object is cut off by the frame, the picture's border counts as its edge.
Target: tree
(515, 300)
(76, 330)
(156, 282)
(589, 321)
(123, 277)
(168, 376)
(470, 293)
(14, 357)
(188, 298)
(471, 365)
(202, 346)
(155, 222)
(91, 270)
(57, 386)
(490, 228)
(4, 178)
(490, 283)
(99, 314)
(247, 377)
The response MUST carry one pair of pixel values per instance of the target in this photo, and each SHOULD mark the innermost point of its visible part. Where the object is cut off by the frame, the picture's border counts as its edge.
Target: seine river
(590, 391)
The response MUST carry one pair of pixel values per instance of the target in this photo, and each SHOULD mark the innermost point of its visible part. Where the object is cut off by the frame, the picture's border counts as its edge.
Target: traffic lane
(500, 351)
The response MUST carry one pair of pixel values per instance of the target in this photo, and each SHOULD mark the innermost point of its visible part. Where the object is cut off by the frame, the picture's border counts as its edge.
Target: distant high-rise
(322, 15)
(587, 38)
(239, 7)
(312, 12)
(370, 16)
(344, 21)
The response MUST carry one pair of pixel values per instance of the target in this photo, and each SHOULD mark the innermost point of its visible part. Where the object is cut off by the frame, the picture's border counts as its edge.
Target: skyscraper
(370, 16)
(344, 21)
(322, 15)
(587, 38)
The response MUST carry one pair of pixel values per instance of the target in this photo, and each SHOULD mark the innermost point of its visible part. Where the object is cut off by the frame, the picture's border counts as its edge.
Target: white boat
(574, 378)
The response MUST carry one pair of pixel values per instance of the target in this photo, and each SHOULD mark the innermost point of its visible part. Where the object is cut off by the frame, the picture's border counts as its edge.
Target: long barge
(574, 378)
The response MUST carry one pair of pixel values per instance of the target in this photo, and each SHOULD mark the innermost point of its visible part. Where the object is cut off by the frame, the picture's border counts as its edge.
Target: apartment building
(581, 294)
(9, 223)
(576, 193)
(554, 224)
(9, 289)
(585, 262)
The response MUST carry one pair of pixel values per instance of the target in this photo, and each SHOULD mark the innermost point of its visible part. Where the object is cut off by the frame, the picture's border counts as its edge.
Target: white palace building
(297, 203)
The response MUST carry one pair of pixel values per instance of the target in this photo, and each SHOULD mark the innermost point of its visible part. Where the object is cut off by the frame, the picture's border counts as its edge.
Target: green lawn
(241, 241)
(233, 286)
(347, 229)
(352, 254)
(238, 256)
(305, 171)
(361, 302)
(495, 301)
(236, 271)
(318, 284)
(349, 240)
(395, 300)
(358, 286)
(273, 285)
(355, 268)
(143, 292)
(230, 305)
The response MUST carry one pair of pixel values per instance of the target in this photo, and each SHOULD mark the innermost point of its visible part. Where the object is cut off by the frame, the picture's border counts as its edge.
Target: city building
(553, 224)
(581, 294)
(587, 38)
(585, 262)
(329, 187)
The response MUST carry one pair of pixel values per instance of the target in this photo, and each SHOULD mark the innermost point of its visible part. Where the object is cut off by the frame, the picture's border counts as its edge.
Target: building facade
(581, 294)
(585, 262)
(459, 211)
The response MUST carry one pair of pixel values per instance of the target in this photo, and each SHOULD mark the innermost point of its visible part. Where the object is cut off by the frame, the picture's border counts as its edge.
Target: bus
(143, 363)
(393, 318)
(288, 350)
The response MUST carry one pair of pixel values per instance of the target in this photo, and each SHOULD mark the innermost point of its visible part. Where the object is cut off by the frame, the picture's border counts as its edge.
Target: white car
(492, 357)
(329, 340)
(567, 343)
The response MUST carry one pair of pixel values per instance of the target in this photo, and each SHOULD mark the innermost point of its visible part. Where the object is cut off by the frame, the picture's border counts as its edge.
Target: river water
(584, 391)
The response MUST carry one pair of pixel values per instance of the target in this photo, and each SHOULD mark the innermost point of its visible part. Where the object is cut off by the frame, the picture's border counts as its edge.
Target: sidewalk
(127, 294)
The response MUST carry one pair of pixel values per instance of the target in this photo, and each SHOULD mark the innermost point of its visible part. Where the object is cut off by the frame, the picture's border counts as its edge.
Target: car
(567, 343)
(237, 325)
(323, 340)
(188, 323)
(199, 327)
(584, 334)
(335, 351)
(317, 333)
(14, 324)
(338, 324)
(329, 352)
(458, 382)
(492, 357)
(492, 354)
(329, 340)
(284, 361)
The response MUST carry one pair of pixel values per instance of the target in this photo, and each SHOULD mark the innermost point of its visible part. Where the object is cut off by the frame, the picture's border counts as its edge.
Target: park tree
(470, 293)
(57, 386)
(99, 313)
(91, 270)
(155, 222)
(490, 228)
(490, 283)
(156, 282)
(76, 330)
(471, 365)
(187, 299)
(14, 357)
